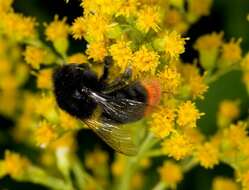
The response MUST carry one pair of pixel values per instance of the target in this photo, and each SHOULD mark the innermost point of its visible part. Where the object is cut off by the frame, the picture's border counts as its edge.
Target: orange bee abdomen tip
(153, 90)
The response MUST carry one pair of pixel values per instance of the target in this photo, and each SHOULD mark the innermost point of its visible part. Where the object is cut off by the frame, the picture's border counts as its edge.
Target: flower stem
(133, 161)
(160, 186)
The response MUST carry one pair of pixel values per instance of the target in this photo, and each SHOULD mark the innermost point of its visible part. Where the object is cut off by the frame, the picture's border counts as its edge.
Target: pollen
(148, 18)
(56, 30)
(171, 173)
(121, 54)
(162, 122)
(34, 56)
(14, 164)
(188, 115)
(174, 44)
(177, 146)
(97, 51)
(144, 61)
(208, 155)
(45, 134)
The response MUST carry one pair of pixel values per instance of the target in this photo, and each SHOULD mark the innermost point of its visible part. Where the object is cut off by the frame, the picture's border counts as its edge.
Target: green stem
(160, 186)
(133, 162)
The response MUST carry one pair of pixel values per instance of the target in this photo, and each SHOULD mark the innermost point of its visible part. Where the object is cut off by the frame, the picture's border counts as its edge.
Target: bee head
(69, 80)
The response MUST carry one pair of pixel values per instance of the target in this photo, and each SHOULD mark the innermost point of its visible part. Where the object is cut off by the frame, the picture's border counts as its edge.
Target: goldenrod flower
(118, 165)
(195, 136)
(144, 61)
(44, 79)
(128, 8)
(96, 159)
(228, 111)
(5, 6)
(171, 173)
(137, 181)
(231, 51)
(173, 44)
(209, 41)
(188, 114)
(200, 8)
(224, 183)
(96, 51)
(19, 27)
(45, 134)
(15, 165)
(177, 146)
(57, 29)
(79, 28)
(174, 21)
(170, 80)
(148, 18)
(34, 56)
(162, 122)
(121, 54)
(67, 121)
(207, 155)
(77, 58)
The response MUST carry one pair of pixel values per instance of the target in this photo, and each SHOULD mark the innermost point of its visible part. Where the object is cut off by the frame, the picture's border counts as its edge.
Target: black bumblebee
(102, 106)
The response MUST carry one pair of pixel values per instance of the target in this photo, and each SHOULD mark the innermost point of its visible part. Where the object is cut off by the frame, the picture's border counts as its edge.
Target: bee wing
(121, 109)
(117, 137)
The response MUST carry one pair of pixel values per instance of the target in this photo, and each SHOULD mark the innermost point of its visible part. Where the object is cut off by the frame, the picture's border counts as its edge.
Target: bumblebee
(82, 94)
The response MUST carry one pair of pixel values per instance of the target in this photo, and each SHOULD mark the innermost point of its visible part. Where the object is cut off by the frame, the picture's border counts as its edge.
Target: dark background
(227, 16)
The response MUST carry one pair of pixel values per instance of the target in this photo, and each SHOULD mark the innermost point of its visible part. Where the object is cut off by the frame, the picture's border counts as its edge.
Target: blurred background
(227, 16)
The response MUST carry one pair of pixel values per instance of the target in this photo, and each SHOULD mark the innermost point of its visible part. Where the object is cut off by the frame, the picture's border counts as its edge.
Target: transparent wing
(117, 137)
(122, 110)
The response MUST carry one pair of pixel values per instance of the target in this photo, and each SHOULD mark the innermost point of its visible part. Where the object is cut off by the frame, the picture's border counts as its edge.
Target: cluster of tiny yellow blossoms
(147, 37)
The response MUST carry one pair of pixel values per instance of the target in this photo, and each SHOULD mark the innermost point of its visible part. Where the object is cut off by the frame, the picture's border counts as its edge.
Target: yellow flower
(97, 51)
(67, 121)
(14, 164)
(174, 21)
(171, 173)
(79, 58)
(118, 165)
(96, 27)
(45, 105)
(244, 177)
(231, 51)
(79, 28)
(162, 122)
(96, 159)
(34, 56)
(173, 44)
(177, 146)
(121, 54)
(228, 111)
(145, 163)
(144, 61)
(209, 41)
(200, 8)
(137, 181)
(5, 6)
(208, 155)
(45, 134)
(128, 8)
(170, 80)
(148, 18)
(19, 27)
(195, 136)
(66, 141)
(56, 30)
(188, 114)
(44, 79)
(224, 183)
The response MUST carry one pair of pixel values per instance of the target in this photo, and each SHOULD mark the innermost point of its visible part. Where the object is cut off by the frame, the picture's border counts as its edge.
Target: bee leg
(107, 63)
